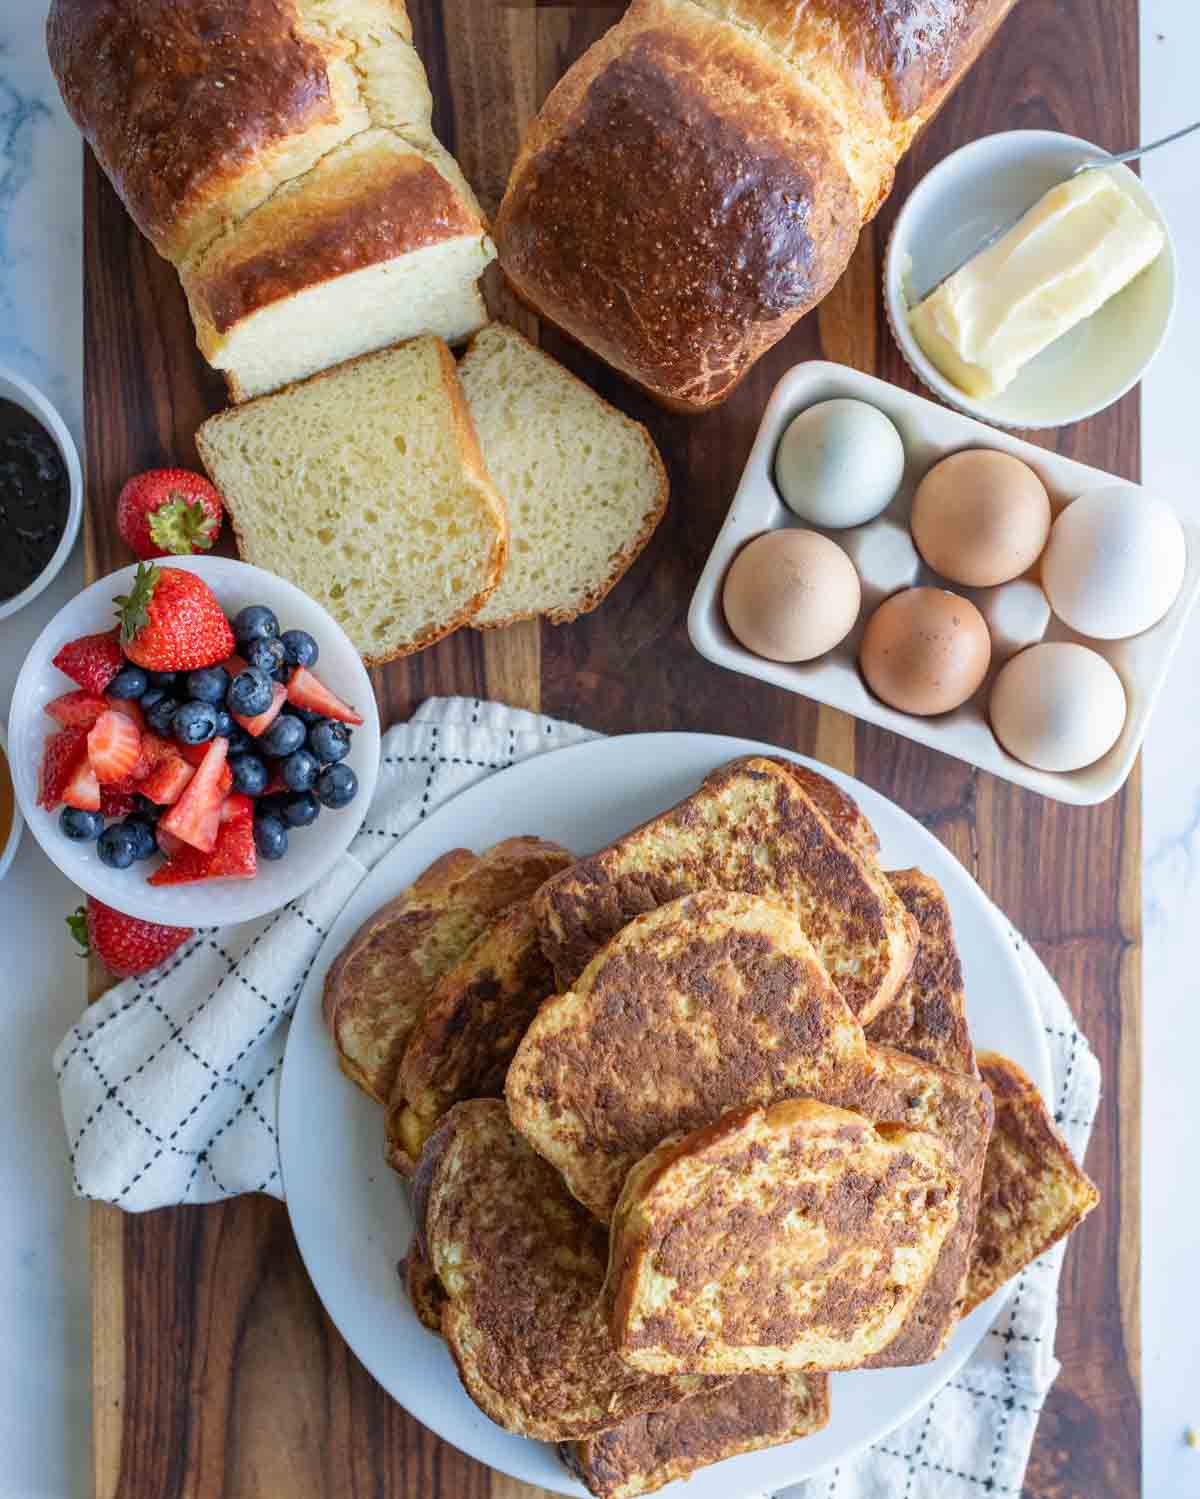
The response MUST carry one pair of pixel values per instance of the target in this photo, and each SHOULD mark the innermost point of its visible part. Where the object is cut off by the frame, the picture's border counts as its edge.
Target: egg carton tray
(886, 560)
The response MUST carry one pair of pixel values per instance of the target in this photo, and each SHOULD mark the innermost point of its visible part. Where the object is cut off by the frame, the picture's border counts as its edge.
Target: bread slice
(928, 1018)
(584, 483)
(1034, 1192)
(710, 1003)
(759, 825)
(380, 242)
(461, 1046)
(365, 487)
(752, 1412)
(424, 1289)
(378, 987)
(522, 1266)
(790, 1239)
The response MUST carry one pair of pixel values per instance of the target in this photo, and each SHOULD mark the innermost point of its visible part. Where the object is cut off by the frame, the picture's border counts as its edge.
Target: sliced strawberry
(233, 856)
(308, 691)
(92, 661)
(132, 711)
(196, 816)
(236, 807)
(168, 780)
(193, 753)
(116, 802)
(114, 745)
(61, 755)
(76, 710)
(225, 782)
(276, 785)
(260, 724)
(83, 789)
(234, 665)
(152, 752)
(170, 845)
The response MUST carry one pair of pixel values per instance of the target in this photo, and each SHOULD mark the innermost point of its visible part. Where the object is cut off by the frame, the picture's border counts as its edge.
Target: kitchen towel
(169, 1086)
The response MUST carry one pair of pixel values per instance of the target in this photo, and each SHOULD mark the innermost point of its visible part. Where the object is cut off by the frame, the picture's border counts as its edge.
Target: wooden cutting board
(216, 1371)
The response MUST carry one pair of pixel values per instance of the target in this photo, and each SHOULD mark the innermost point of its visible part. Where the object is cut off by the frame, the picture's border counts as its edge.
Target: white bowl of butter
(1052, 266)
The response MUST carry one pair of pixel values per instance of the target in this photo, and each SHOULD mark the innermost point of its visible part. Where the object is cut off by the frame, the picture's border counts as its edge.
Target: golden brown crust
(751, 1413)
(424, 1289)
(1034, 1192)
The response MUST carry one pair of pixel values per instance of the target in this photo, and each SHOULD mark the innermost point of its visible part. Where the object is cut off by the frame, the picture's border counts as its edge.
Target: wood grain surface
(216, 1371)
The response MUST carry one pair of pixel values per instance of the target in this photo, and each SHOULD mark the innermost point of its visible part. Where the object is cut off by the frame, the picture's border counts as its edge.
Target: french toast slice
(424, 1288)
(522, 1265)
(1034, 1192)
(764, 827)
(378, 987)
(709, 1003)
(461, 1046)
(752, 1412)
(787, 1239)
(928, 1018)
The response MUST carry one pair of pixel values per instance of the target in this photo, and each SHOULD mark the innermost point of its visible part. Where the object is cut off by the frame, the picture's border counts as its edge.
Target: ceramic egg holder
(887, 561)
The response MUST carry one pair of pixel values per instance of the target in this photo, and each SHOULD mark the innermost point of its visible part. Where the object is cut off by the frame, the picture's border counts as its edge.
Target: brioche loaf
(280, 154)
(365, 487)
(697, 181)
(584, 483)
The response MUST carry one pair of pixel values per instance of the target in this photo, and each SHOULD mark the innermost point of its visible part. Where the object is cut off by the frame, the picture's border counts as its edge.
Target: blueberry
(117, 846)
(286, 734)
(208, 685)
(240, 743)
(329, 741)
(249, 774)
(80, 826)
(255, 622)
(337, 786)
(161, 714)
(226, 726)
(308, 716)
(195, 723)
(270, 806)
(300, 770)
(268, 656)
(249, 693)
(167, 680)
(301, 648)
(145, 845)
(301, 810)
(270, 836)
(147, 810)
(128, 684)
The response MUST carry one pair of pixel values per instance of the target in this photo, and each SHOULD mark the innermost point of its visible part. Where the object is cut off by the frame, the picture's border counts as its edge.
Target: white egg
(839, 464)
(1114, 563)
(1058, 706)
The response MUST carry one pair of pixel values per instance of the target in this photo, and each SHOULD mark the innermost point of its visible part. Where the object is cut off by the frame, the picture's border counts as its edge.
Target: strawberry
(124, 944)
(116, 801)
(168, 780)
(196, 816)
(92, 661)
(233, 857)
(114, 746)
(308, 691)
(152, 752)
(77, 710)
(83, 789)
(171, 621)
(236, 807)
(61, 755)
(170, 845)
(169, 512)
(131, 710)
(263, 721)
(234, 665)
(276, 785)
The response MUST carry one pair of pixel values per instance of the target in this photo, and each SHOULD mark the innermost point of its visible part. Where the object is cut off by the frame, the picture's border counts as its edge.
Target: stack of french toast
(691, 1123)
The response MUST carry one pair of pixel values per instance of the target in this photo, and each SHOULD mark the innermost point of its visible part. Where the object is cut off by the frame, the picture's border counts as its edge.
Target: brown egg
(791, 595)
(925, 651)
(981, 518)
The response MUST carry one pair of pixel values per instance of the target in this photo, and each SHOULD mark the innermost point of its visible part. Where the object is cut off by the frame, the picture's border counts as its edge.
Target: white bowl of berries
(193, 741)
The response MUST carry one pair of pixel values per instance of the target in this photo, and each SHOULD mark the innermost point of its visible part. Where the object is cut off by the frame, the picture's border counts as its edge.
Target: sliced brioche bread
(584, 483)
(365, 487)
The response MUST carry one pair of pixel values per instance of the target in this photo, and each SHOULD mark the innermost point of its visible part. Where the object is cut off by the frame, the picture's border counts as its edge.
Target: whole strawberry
(169, 512)
(171, 621)
(125, 945)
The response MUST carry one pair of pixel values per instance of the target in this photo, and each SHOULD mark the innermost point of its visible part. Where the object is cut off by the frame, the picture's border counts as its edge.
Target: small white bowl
(21, 393)
(982, 188)
(312, 852)
(8, 852)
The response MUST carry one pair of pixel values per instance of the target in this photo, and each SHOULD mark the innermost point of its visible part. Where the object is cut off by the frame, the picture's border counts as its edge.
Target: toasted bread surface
(378, 987)
(707, 1004)
(751, 1413)
(424, 1288)
(794, 1238)
(462, 1045)
(523, 1267)
(754, 826)
(1034, 1192)
(928, 1017)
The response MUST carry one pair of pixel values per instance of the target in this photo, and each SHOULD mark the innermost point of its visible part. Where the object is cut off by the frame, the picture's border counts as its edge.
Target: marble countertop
(44, 1353)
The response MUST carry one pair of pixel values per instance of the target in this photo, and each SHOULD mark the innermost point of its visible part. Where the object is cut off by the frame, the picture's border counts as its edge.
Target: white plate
(311, 852)
(350, 1212)
(929, 432)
